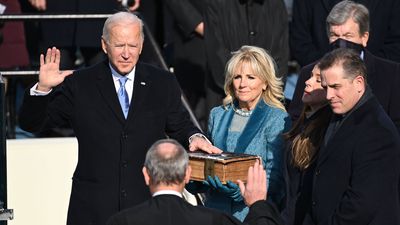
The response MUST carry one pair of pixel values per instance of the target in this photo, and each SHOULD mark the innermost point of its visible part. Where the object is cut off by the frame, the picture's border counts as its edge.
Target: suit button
(314, 203)
(124, 164)
(124, 136)
(123, 193)
(318, 172)
(252, 33)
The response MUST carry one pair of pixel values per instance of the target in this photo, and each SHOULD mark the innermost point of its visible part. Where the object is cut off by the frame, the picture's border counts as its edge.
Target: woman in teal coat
(251, 120)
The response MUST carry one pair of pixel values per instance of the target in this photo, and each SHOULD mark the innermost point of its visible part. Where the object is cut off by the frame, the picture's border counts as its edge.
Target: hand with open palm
(50, 74)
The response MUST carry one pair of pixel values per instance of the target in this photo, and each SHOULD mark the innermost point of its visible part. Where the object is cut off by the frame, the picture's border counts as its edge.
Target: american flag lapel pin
(143, 83)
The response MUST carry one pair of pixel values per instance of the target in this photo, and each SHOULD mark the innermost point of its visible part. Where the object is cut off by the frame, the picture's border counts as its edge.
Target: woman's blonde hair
(263, 66)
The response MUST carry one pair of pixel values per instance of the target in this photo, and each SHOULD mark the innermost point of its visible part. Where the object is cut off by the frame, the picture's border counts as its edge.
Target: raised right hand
(50, 74)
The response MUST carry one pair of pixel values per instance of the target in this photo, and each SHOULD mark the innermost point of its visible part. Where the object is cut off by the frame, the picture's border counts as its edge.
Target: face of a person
(348, 31)
(314, 94)
(124, 46)
(247, 86)
(342, 93)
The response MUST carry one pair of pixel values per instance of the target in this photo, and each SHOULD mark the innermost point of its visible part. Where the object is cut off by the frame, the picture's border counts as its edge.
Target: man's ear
(141, 47)
(364, 38)
(360, 83)
(146, 176)
(104, 45)
(187, 174)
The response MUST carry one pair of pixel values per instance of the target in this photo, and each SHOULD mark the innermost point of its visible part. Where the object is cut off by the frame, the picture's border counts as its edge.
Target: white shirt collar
(116, 75)
(167, 192)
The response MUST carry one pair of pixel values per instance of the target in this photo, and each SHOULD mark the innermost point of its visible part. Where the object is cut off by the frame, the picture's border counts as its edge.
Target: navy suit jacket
(108, 175)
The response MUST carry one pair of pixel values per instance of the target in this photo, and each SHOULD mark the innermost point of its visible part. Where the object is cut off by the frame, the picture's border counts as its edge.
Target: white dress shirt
(167, 192)
(128, 84)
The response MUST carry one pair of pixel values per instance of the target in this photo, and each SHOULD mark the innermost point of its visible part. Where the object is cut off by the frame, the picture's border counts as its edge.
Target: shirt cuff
(198, 135)
(34, 92)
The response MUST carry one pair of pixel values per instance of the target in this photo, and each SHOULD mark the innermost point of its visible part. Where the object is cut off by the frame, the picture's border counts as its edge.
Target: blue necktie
(123, 96)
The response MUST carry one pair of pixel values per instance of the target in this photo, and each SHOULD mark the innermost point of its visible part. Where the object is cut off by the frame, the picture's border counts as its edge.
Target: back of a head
(349, 59)
(345, 10)
(166, 162)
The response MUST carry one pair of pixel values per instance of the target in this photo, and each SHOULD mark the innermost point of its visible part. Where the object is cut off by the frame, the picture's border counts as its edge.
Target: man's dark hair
(350, 61)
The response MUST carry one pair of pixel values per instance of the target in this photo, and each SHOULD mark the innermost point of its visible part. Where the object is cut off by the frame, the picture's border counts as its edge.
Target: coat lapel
(256, 121)
(106, 87)
(222, 132)
(141, 87)
(253, 126)
(370, 64)
(341, 134)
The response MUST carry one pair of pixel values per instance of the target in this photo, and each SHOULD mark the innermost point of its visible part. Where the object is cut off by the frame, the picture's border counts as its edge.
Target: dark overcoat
(81, 32)
(173, 210)
(108, 175)
(230, 24)
(357, 172)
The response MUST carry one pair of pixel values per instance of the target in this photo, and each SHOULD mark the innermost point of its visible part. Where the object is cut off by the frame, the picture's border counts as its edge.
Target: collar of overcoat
(141, 86)
(253, 126)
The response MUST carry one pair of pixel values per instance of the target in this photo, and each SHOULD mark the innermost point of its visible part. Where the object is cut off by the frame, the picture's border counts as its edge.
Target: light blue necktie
(123, 96)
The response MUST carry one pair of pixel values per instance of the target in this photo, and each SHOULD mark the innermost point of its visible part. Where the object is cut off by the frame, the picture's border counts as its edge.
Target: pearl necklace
(242, 112)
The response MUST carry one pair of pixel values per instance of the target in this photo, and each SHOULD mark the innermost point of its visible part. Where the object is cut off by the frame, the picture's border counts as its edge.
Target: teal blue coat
(261, 136)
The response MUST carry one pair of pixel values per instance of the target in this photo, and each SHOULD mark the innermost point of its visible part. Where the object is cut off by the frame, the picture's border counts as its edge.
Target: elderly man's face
(123, 47)
(348, 31)
(342, 93)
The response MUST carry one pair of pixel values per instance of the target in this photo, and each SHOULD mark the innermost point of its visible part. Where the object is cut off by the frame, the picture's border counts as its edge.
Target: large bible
(227, 165)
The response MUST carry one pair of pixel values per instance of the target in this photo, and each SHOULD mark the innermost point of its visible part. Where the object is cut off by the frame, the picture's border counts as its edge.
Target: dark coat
(173, 210)
(357, 172)
(299, 182)
(189, 54)
(108, 176)
(309, 39)
(383, 76)
(230, 24)
(82, 32)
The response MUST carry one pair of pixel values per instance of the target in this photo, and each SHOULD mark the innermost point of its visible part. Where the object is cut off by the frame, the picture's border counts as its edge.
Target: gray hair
(121, 18)
(167, 168)
(350, 61)
(345, 10)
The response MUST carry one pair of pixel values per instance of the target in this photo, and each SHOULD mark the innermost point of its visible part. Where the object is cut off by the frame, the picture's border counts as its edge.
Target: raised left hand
(256, 187)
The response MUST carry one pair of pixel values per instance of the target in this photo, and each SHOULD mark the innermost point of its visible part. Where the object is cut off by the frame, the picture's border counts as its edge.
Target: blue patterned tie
(123, 96)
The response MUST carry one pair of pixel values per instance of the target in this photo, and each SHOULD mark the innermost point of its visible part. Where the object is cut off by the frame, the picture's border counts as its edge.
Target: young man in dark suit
(355, 180)
(166, 170)
(348, 27)
(117, 109)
